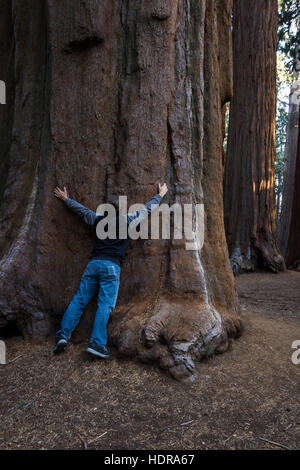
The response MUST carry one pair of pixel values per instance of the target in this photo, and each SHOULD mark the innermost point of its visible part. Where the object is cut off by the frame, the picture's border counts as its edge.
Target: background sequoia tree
(292, 132)
(116, 96)
(288, 233)
(249, 187)
(293, 229)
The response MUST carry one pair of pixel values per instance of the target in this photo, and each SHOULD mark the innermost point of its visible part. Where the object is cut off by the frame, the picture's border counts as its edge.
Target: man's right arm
(88, 216)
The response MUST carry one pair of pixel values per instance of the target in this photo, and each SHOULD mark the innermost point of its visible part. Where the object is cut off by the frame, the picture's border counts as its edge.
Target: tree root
(180, 333)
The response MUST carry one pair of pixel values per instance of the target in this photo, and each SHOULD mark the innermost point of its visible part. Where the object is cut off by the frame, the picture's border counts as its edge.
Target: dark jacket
(112, 249)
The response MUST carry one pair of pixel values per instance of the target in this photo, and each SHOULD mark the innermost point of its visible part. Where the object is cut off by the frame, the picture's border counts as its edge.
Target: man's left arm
(149, 207)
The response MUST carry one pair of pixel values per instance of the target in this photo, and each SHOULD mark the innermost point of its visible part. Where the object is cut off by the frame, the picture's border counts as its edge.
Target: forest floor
(250, 393)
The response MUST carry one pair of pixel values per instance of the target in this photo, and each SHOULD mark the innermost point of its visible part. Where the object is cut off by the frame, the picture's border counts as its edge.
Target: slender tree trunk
(293, 244)
(250, 210)
(117, 96)
(290, 164)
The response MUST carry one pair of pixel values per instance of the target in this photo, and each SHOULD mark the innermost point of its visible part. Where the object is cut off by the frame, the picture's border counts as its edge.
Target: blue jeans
(99, 273)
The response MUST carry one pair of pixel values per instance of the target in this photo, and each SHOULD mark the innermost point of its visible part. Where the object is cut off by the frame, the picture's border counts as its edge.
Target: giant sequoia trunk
(116, 96)
(250, 211)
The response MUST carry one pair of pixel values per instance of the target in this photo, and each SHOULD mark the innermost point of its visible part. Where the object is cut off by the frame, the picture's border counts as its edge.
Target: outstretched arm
(149, 207)
(87, 215)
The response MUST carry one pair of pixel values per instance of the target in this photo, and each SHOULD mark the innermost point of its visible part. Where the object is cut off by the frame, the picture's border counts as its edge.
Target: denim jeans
(99, 273)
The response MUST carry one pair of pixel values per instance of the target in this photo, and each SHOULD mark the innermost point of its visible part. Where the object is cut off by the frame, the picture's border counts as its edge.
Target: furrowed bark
(292, 133)
(122, 95)
(293, 245)
(249, 202)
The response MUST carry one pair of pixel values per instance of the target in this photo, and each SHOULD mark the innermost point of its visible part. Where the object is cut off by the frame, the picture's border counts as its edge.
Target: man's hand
(162, 189)
(60, 194)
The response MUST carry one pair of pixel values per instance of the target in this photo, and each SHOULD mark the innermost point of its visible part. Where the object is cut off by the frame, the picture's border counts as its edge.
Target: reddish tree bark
(293, 245)
(250, 211)
(117, 96)
(290, 163)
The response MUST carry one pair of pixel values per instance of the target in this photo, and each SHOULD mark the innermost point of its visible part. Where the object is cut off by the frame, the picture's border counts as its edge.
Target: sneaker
(60, 346)
(100, 351)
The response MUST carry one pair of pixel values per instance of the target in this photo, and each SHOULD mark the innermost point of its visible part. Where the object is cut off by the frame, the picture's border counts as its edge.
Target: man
(102, 271)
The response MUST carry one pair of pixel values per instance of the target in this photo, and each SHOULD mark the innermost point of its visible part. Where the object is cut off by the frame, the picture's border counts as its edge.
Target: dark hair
(113, 199)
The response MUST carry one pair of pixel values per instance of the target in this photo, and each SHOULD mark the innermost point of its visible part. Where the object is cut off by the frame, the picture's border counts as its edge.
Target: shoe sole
(96, 353)
(60, 348)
